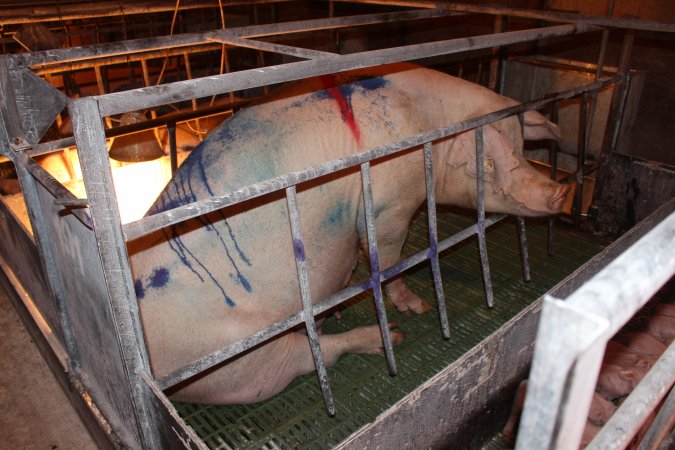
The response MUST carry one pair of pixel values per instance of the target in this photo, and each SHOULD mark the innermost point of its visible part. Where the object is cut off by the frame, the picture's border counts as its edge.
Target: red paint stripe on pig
(332, 88)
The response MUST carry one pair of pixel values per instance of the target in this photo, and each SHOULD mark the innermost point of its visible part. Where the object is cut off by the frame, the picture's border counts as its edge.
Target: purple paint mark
(299, 250)
(140, 290)
(159, 278)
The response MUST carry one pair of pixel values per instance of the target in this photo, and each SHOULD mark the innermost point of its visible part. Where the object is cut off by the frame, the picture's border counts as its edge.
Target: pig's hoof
(410, 302)
(397, 337)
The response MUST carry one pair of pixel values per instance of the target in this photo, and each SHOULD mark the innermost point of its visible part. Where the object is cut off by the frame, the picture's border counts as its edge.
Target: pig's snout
(558, 197)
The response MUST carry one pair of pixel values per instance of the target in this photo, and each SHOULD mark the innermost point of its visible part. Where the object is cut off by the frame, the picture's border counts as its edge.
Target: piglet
(511, 426)
(615, 381)
(665, 309)
(590, 430)
(623, 356)
(601, 410)
(661, 327)
(641, 342)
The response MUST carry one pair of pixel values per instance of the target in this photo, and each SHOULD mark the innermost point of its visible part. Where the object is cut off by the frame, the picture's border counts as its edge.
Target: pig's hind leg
(392, 229)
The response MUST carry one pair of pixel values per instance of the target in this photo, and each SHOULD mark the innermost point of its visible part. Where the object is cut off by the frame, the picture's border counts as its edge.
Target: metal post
(581, 161)
(306, 295)
(480, 207)
(433, 241)
(171, 127)
(374, 257)
(553, 161)
(97, 176)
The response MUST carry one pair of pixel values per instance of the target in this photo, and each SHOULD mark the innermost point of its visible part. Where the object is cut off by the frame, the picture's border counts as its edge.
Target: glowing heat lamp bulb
(137, 186)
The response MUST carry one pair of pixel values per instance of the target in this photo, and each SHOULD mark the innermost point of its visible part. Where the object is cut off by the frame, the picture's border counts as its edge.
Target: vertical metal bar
(171, 126)
(98, 182)
(306, 296)
(553, 160)
(524, 254)
(48, 261)
(101, 89)
(581, 160)
(522, 234)
(433, 241)
(374, 257)
(496, 61)
(480, 207)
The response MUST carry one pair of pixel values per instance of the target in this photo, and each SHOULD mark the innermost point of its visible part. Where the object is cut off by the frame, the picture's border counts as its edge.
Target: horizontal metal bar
(146, 225)
(135, 99)
(552, 16)
(185, 39)
(305, 53)
(60, 11)
(275, 329)
(627, 420)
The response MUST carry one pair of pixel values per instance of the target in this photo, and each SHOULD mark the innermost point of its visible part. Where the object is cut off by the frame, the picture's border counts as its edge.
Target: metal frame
(571, 341)
(111, 236)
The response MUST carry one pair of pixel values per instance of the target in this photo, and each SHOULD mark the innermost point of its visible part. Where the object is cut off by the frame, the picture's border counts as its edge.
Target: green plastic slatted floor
(361, 385)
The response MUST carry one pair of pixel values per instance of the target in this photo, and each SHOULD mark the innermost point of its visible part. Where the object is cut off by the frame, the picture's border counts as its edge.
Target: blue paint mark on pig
(159, 278)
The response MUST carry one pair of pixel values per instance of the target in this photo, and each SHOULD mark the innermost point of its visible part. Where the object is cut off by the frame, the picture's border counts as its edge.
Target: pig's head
(512, 185)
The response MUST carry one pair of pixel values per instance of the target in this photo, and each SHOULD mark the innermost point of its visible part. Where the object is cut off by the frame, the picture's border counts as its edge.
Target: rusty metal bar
(158, 221)
(480, 209)
(433, 240)
(374, 258)
(306, 297)
(298, 52)
(524, 254)
(581, 161)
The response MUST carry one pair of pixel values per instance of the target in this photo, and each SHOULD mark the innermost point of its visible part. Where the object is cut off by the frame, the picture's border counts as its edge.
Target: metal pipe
(92, 151)
(524, 254)
(480, 208)
(171, 127)
(374, 259)
(306, 297)
(663, 424)
(627, 420)
(158, 221)
(581, 161)
(168, 42)
(553, 161)
(135, 99)
(433, 240)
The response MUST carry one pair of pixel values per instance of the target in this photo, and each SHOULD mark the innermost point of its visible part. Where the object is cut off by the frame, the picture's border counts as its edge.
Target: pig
(661, 327)
(621, 355)
(590, 431)
(601, 410)
(665, 309)
(642, 342)
(210, 281)
(615, 381)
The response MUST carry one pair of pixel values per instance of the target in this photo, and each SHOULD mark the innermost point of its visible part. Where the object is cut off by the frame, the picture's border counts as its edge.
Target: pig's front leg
(392, 228)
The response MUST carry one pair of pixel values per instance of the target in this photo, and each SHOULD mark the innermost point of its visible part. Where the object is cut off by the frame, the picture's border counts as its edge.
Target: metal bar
(627, 420)
(663, 424)
(172, 147)
(89, 10)
(524, 255)
(596, 311)
(269, 332)
(553, 161)
(551, 16)
(374, 258)
(146, 225)
(581, 161)
(135, 99)
(305, 53)
(102, 91)
(179, 40)
(306, 296)
(433, 240)
(88, 131)
(480, 208)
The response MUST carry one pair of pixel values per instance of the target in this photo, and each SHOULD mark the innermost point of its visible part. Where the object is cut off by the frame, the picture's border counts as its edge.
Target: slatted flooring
(361, 385)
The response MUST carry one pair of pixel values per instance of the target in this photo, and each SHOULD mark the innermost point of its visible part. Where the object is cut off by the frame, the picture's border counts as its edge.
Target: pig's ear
(461, 152)
(628, 374)
(502, 153)
(537, 127)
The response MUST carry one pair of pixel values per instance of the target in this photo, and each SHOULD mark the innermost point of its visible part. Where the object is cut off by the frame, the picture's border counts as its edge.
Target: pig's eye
(489, 165)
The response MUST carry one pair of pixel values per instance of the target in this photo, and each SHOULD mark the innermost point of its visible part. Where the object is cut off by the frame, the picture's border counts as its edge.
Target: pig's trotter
(404, 299)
